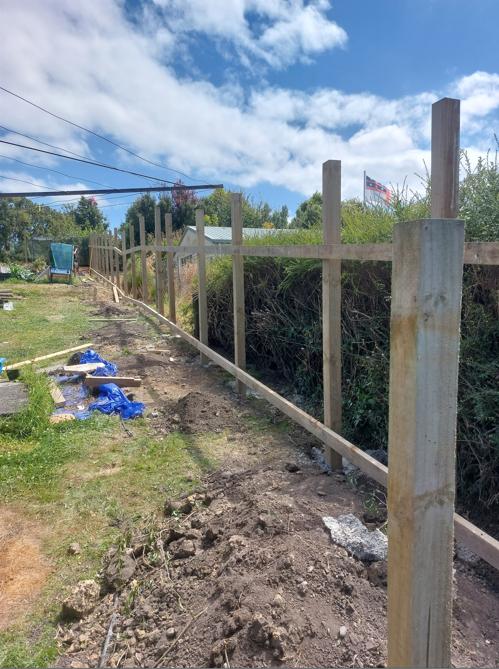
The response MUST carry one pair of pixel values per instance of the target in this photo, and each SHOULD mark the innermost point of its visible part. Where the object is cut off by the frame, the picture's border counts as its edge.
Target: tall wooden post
(109, 261)
(133, 267)
(160, 285)
(116, 258)
(425, 334)
(102, 264)
(238, 289)
(124, 279)
(143, 259)
(331, 305)
(202, 299)
(445, 121)
(170, 269)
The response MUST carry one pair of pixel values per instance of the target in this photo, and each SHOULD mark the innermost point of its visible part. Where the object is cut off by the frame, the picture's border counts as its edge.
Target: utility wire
(49, 169)
(95, 134)
(2, 176)
(39, 141)
(88, 162)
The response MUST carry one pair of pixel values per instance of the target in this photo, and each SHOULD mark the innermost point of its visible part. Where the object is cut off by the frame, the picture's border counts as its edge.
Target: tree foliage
(309, 213)
(87, 215)
(22, 218)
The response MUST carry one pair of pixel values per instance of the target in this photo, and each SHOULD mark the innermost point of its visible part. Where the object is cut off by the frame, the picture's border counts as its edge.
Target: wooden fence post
(238, 290)
(331, 305)
(143, 259)
(170, 269)
(133, 267)
(116, 258)
(160, 286)
(425, 332)
(109, 261)
(445, 121)
(202, 299)
(427, 275)
(124, 280)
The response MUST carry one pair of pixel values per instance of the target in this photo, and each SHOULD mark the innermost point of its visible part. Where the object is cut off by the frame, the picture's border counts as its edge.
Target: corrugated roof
(223, 234)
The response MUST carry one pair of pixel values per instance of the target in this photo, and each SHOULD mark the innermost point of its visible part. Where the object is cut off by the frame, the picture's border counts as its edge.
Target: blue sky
(255, 94)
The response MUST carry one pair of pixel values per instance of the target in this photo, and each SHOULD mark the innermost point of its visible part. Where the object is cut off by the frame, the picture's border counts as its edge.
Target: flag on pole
(376, 187)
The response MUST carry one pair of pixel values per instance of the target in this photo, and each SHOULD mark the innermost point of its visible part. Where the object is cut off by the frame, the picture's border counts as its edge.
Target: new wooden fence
(428, 257)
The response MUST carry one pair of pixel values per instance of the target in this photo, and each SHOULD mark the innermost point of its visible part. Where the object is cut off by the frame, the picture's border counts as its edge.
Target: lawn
(83, 481)
(46, 318)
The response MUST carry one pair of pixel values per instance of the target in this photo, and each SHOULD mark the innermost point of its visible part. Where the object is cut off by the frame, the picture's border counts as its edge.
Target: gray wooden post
(331, 305)
(202, 298)
(238, 289)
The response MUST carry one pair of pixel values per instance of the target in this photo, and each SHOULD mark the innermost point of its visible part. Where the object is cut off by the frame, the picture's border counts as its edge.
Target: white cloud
(278, 32)
(87, 62)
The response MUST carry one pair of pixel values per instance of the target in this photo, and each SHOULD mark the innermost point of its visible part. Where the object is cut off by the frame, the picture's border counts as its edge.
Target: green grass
(80, 481)
(46, 319)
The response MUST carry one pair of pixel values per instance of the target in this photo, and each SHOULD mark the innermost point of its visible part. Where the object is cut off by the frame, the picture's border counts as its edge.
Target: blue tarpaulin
(109, 368)
(113, 400)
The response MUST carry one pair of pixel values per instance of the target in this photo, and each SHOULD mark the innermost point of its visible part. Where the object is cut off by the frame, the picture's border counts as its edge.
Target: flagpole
(364, 184)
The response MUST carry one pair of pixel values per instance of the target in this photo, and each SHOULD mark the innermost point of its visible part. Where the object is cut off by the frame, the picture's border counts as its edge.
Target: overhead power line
(95, 134)
(147, 189)
(88, 162)
(23, 181)
(49, 169)
(39, 141)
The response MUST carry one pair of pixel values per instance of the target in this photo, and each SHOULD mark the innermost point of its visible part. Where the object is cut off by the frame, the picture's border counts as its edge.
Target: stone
(292, 467)
(342, 632)
(279, 601)
(171, 633)
(119, 570)
(348, 531)
(74, 549)
(302, 588)
(83, 599)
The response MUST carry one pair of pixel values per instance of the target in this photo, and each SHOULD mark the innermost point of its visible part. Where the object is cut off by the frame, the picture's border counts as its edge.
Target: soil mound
(243, 573)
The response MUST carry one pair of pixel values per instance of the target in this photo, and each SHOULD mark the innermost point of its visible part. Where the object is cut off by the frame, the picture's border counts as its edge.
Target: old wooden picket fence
(427, 267)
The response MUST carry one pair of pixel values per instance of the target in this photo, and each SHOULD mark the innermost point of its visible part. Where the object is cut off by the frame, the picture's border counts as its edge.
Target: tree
(87, 215)
(309, 213)
(279, 218)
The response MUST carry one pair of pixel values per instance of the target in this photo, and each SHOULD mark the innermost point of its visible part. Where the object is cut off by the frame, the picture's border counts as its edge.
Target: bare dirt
(23, 567)
(243, 573)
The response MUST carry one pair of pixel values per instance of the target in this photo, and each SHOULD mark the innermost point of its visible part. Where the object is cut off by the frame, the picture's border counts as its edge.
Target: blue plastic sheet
(113, 400)
(2, 360)
(92, 356)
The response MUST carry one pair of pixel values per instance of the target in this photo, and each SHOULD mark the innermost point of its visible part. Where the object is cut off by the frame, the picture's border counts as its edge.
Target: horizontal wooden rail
(475, 253)
(471, 536)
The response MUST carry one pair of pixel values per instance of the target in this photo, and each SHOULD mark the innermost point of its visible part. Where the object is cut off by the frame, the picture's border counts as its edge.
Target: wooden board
(57, 396)
(13, 397)
(115, 295)
(122, 381)
(57, 354)
(84, 368)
